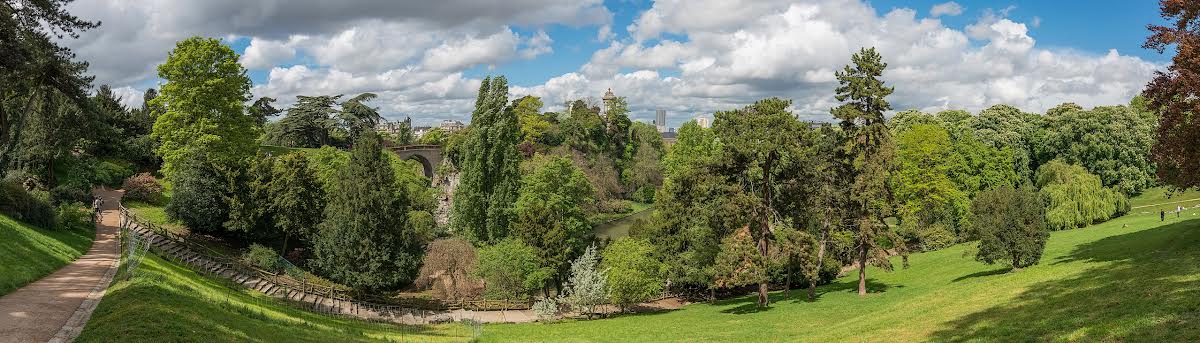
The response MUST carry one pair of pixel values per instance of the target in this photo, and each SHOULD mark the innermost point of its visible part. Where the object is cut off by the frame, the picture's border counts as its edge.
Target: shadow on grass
(1146, 290)
(1004, 270)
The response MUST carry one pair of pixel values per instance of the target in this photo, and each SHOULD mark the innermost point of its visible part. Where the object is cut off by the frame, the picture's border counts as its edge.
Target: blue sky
(688, 57)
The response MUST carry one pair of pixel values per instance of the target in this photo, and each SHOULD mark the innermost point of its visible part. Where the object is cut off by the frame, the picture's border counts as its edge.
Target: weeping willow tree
(1076, 198)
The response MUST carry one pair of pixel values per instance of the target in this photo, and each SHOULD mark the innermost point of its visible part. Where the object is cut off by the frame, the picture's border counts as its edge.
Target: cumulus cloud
(688, 57)
(948, 9)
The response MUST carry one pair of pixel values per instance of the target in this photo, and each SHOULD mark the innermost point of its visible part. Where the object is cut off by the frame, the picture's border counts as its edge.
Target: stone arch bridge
(430, 156)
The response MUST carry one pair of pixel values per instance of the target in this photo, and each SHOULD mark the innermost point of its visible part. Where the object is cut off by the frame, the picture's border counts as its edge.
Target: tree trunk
(286, 236)
(812, 280)
(862, 269)
(14, 133)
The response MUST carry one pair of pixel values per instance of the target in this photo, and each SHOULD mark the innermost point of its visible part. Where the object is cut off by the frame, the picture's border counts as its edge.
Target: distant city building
(452, 125)
(608, 97)
(669, 136)
(660, 120)
(421, 131)
(703, 122)
(393, 127)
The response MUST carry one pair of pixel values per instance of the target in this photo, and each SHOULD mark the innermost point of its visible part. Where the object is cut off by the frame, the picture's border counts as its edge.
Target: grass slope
(1106, 282)
(29, 253)
(165, 302)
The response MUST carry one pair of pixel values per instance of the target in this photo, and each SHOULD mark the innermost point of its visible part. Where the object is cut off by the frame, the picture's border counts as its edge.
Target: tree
(510, 270)
(644, 174)
(365, 240)
(297, 199)
(1076, 198)
(34, 68)
(829, 165)
(739, 263)
(1006, 127)
(262, 109)
(1175, 94)
(309, 122)
(871, 150)
(249, 199)
(932, 209)
(203, 99)
(633, 272)
(1011, 226)
(447, 268)
(198, 199)
(533, 126)
(1112, 142)
(758, 142)
(357, 116)
(490, 167)
(587, 287)
(549, 211)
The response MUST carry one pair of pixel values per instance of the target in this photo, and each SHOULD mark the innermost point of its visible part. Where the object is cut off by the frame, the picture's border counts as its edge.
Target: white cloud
(466, 52)
(262, 54)
(130, 97)
(537, 45)
(948, 9)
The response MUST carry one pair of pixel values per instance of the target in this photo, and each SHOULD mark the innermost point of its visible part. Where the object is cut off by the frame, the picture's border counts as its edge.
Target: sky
(425, 59)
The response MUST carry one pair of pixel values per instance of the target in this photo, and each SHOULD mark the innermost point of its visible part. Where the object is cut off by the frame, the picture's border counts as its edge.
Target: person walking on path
(56, 307)
(1162, 215)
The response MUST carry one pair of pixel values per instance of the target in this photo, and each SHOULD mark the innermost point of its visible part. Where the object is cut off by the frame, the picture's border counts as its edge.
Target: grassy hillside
(1154, 199)
(165, 302)
(28, 253)
(1130, 279)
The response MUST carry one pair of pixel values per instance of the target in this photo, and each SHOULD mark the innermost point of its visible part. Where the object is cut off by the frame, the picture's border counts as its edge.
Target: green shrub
(73, 216)
(111, 173)
(614, 206)
(18, 203)
(644, 195)
(263, 257)
(65, 194)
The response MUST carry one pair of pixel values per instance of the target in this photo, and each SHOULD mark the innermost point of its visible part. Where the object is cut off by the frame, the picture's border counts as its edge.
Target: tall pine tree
(490, 167)
(365, 240)
(870, 149)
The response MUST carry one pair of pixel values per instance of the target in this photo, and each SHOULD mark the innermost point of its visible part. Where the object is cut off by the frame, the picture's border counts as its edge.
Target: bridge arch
(429, 156)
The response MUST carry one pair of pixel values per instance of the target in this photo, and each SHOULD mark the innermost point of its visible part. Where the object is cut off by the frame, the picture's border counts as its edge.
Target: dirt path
(57, 306)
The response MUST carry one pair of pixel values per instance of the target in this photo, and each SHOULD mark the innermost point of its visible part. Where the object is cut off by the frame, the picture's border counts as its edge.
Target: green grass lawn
(1106, 282)
(29, 253)
(165, 302)
(1150, 200)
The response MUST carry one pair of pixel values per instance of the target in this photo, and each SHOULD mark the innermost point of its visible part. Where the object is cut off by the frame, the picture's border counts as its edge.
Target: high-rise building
(660, 120)
(703, 121)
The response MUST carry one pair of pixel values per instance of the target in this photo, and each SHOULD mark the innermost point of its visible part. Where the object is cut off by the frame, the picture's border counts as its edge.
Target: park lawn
(165, 302)
(28, 253)
(1154, 199)
(1129, 279)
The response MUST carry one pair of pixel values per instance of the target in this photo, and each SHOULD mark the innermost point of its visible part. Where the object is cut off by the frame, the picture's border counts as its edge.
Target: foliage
(357, 117)
(1112, 142)
(143, 187)
(510, 270)
(204, 106)
(547, 309)
(63, 194)
(1174, 94)
(549, 211)
(309, 122)
(927, 198)
(533, 126)
(983, 167)
(1076, 198)
(297, 198)
(1006, 127)
(490, 180)
(1011, 226)
(17, 203)
(587, 287)
(871, 151)
(448, 267)
(739, 263)
(365, 240)
(198, 195)
(632, 272)
(761, 144)
(644, 173)
(263, 257)
(72, 217)
(250, 199)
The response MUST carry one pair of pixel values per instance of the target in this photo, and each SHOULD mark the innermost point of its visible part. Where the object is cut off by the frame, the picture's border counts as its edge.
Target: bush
(64, 194)
(199, 195)
(1076, 198)
(21, 205)
(633, 273)
(1011, 226)
(547, 309)
(614, 206)
(73, 216)
(587, 287)
(510, 270)
(143, 187)
(446, 269)
(111, 173)
(263, 257)
(644, 195)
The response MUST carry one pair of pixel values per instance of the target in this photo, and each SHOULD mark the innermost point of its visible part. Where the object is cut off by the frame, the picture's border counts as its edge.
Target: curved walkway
(55, 308)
